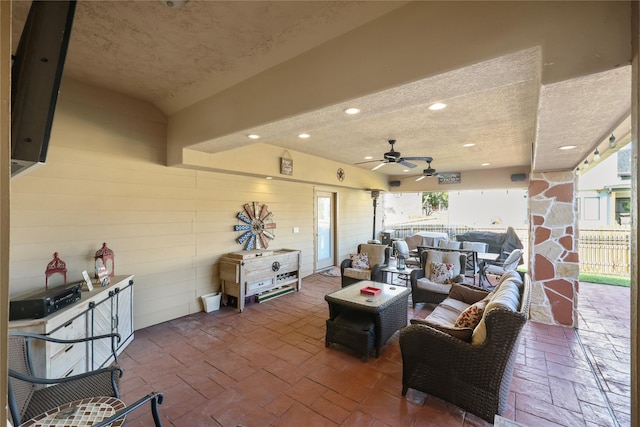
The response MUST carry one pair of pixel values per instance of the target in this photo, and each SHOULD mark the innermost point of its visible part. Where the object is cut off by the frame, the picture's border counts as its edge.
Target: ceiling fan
(394, 156)
(428, 172)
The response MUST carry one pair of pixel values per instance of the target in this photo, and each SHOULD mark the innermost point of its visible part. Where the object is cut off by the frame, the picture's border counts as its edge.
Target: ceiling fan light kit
(394, 156)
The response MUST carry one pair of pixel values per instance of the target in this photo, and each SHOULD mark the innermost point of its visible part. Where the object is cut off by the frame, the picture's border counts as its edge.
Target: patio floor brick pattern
(268, 366)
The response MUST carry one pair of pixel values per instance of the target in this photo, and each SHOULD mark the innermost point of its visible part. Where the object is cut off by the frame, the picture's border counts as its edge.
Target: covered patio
(270, 366)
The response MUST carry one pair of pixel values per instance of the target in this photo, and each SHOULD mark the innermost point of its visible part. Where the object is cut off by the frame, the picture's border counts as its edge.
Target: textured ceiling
(176, 58)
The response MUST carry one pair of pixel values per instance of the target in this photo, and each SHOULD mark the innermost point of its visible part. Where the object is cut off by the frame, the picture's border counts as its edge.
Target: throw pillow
(441, 272)
(466, 294)
(360, 261)
(463, 334)
(472, 315)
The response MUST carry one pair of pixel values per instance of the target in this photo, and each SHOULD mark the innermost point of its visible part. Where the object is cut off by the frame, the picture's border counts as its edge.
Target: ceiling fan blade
(404, 162)
(369, 161)
(378, 166)
(426, 159)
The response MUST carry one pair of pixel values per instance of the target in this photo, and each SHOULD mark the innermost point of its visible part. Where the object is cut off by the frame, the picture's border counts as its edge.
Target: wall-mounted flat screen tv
(36, 73)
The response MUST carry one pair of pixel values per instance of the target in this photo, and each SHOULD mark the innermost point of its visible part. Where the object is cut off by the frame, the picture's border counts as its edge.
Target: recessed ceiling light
(253, 136)
(437, 106)
(368, 157)
(304, 135)
(405, 170)
(485, 164)
(352, 110)
(470, 144)
(567, 147)
(268, 177)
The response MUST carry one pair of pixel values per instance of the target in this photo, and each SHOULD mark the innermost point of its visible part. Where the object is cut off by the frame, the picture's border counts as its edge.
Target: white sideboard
(100, 311)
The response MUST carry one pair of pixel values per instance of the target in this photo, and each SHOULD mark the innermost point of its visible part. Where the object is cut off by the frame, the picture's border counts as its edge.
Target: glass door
(324, 230)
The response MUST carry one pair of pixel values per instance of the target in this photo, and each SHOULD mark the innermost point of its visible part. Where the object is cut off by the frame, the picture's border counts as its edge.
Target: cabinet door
(124, 313)
(101, 322)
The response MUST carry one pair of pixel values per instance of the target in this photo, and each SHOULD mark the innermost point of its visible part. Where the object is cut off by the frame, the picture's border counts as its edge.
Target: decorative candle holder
(55, 266)
(104, 256)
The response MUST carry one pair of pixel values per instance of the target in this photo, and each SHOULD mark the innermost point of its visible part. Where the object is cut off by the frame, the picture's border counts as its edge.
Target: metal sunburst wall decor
(258, 226)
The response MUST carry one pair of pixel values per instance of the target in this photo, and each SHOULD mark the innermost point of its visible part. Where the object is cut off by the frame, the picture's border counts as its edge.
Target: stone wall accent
(554, 260)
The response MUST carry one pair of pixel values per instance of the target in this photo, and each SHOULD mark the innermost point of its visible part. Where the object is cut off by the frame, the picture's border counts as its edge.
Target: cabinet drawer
(70, 361)
(71, 330)
(254, 288)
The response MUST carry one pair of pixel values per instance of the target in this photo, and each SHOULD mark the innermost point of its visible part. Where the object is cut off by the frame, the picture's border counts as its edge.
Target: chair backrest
(475, 246)
(449, 244)
(413, 241)
(456, 259)
(512, 261)
(402, 248)
(376, 253)
(20, 392)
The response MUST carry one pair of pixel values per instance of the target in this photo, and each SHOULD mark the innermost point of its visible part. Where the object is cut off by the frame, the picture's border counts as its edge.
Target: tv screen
(35, 80)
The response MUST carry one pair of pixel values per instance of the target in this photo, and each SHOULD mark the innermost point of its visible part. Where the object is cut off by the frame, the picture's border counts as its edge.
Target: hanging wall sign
(286, 164)
(449, 178)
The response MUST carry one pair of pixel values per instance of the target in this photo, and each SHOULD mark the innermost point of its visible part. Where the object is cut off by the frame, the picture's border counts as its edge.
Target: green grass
(598, 278)
(605, 280)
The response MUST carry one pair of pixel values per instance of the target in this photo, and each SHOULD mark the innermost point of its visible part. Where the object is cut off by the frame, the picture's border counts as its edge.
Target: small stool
(354, 331)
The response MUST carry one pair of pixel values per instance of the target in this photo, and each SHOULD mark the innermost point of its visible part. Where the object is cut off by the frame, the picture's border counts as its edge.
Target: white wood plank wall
(105, 180)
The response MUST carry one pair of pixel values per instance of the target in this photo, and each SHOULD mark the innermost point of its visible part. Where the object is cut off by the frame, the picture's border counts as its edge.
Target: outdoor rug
(331, 272)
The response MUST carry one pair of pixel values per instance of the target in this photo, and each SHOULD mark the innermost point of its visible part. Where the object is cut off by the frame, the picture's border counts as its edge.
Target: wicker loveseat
(469, 368)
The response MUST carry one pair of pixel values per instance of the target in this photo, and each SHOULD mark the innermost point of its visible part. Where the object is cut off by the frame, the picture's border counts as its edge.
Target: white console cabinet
(100, 311)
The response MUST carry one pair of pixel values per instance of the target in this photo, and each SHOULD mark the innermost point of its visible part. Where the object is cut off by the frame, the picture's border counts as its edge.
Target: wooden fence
(602, 251)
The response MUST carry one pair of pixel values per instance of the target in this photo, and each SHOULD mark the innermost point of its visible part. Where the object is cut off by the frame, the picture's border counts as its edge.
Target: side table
(81, 413)
(404, 274)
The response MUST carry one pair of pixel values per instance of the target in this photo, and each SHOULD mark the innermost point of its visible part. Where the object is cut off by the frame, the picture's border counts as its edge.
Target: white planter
(211, 302)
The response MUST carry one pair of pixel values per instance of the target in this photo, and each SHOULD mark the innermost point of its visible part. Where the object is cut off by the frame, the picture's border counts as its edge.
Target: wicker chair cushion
(466, 294)
(360, 261)
(452, 258)
(507, 296)
(428, 285)
(356, 273)
(375, 253)
(445, 314)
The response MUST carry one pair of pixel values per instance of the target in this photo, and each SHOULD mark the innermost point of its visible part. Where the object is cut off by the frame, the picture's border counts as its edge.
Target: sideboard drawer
(65, 363)
(74, 329)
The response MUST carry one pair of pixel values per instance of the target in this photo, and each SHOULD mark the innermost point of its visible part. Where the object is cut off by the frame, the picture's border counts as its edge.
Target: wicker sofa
(469, 367)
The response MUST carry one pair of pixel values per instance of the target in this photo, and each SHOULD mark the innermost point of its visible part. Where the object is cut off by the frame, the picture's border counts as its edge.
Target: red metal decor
(55, 266)
(107, 258)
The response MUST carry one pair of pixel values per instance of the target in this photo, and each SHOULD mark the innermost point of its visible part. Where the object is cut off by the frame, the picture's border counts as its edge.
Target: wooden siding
(105, 181)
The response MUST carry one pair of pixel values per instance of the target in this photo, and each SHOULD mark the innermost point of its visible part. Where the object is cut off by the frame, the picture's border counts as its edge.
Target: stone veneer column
(553, 260)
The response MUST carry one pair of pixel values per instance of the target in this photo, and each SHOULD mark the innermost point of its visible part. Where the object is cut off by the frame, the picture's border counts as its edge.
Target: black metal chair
(30, 396)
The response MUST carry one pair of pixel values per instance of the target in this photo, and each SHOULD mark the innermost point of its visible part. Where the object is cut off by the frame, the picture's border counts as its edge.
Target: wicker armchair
(423, 289)
(475, 377)
(379, 256)
(29, 397)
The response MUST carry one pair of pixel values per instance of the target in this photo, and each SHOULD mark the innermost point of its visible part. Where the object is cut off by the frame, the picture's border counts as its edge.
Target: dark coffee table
(364, 322)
